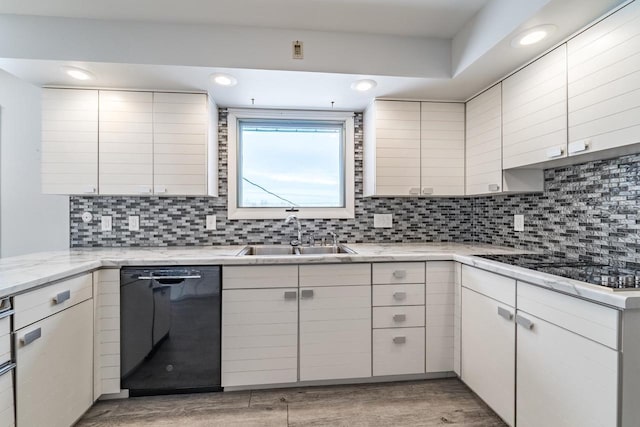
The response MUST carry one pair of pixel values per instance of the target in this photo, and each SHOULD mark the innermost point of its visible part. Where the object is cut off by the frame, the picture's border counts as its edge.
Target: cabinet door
(442, 149)
(126, 142)
(534, 111)
(54, 374)
(335, 332)
(397, 148)
(7, 413)
(484, 142)
(69, 141)
(488, 351)
(563, 379)
(106, 306)
(604, 83)
(259, 336)
(440, 305)
(180, 143)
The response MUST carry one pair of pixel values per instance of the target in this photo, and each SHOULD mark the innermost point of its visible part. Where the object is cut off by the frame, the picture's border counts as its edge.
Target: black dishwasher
(170, 329)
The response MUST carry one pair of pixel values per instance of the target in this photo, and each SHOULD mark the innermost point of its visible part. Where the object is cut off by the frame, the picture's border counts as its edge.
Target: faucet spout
(296, 221)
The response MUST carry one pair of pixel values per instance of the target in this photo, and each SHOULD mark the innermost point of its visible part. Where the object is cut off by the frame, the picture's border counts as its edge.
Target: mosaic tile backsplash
(591, 210)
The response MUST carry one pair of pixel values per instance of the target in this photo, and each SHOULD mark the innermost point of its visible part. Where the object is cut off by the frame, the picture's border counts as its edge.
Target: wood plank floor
(416, 403)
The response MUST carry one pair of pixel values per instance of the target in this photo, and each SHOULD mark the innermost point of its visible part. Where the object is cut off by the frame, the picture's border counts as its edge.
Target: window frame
(236, 212)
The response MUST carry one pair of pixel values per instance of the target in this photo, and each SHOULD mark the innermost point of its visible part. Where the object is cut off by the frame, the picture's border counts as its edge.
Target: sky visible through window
(288, 163)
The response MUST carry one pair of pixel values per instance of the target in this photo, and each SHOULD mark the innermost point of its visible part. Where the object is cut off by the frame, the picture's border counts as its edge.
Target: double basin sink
(294, 250)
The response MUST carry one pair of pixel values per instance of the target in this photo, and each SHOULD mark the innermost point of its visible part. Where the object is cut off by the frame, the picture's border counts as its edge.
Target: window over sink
(281, 160)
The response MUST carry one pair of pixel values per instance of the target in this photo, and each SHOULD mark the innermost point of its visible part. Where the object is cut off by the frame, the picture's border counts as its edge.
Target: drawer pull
(290, 295)
(503, 312)
(61, 297)
(494, 187)
(400, 274)
(524, 322)
(5, 308)
(399, 296)
(399, 340)
(30, 337)
(306, 293)
(399, 317)
(6, 368)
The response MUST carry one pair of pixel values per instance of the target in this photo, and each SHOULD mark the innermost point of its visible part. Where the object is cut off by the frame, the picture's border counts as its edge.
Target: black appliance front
(170, 329)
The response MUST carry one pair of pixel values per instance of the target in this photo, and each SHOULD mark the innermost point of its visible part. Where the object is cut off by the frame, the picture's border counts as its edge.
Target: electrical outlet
(105, 223)
(134, 223)
(211, 222)
(382, 220)
(518, 222)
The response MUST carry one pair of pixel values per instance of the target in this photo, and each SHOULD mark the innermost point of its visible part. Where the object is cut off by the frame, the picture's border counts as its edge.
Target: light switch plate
(134, 223)
(382, 220)
(105, 223)
(518, 222)
(211, 222)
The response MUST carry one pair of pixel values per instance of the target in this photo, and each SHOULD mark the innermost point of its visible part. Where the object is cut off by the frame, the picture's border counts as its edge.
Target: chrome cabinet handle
(30, 337)
(6, 368)
(290, 295)
(5, 308)
(555, 152)
(414, 191)
(306, 293)
(503, 312)
(399, 317)
(494, 187)
(524, 322)
(62, 297)
(400, 274)
(427, 190)
(399, 340)
(399, 296)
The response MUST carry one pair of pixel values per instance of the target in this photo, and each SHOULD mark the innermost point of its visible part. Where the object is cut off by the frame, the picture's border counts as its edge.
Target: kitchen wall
(588, 210)
(181, 220)
(29, 220)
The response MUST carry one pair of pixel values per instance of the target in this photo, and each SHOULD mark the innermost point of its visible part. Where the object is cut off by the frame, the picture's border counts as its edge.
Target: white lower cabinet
(564, 379)
(488, 351)
(335, 332)
(7, 415)
(54, 374)
(259, 336)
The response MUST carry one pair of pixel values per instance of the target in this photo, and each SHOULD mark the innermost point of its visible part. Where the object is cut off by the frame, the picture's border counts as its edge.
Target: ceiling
(422, 49)
(424, 18)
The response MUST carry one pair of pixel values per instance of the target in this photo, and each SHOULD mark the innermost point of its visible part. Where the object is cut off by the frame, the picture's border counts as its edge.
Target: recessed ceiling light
(363, 85)
(533, 35)
(77, 73)
(223, 79)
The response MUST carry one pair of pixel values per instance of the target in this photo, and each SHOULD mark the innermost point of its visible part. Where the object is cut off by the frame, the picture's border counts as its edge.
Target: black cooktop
(612, 277)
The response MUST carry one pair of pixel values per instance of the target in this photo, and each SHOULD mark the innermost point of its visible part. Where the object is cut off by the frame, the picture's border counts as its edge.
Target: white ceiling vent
(298, 52)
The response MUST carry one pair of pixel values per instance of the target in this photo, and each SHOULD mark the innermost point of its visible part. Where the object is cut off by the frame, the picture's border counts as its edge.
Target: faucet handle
(334, 236)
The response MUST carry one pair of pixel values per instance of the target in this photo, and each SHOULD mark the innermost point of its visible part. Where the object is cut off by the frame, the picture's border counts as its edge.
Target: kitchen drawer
(398, 272)
(260, 276)
(398, 351)
(493, 285)
(335, 275)
(387, 295)
(398, 317)
(7, 417)
(36, 305)
(590, 320)
(5, 341)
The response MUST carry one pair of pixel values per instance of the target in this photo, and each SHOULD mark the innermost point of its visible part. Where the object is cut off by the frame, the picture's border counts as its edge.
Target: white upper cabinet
(392, 149)
(126, 142)
(484, 142)
(413, 148)
(534, 119)
(180, 143)
(69, 141)
(604, 83)
(442, 148)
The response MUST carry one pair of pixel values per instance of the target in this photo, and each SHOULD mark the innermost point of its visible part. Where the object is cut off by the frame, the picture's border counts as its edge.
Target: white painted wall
(29, 220)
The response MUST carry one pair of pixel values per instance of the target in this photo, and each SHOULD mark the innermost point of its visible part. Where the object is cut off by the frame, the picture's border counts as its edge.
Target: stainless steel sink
(276, 250)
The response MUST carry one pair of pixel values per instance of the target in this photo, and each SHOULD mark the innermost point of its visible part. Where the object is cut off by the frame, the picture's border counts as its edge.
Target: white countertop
(21, 273)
